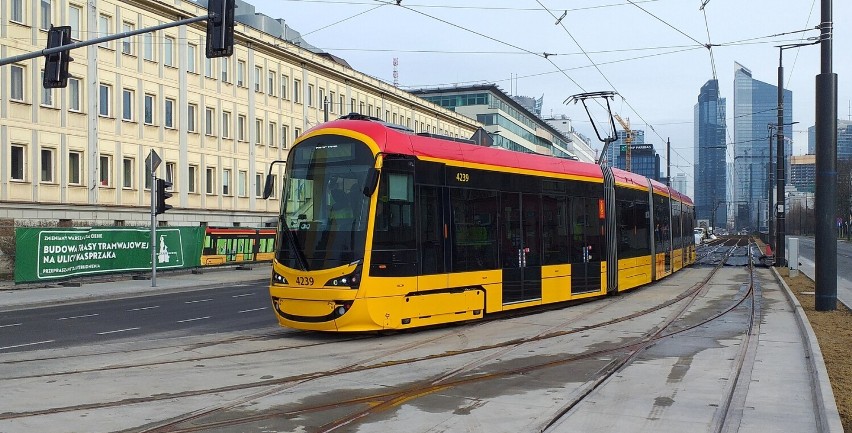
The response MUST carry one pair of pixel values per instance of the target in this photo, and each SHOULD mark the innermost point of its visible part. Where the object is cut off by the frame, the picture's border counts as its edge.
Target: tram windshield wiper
(301, 260)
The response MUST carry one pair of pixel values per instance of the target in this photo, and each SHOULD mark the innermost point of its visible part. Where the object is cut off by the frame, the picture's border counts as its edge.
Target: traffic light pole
(48, 51)
(153, 230)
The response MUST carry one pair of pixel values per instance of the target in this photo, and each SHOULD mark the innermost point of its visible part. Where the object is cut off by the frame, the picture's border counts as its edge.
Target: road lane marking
(13, 324)
(77, 317)
(117, 330)
(192, 320)
(240, 285)
(197, 301)
(249, 311)
(27, 344)
(144, 308)
(244, 294)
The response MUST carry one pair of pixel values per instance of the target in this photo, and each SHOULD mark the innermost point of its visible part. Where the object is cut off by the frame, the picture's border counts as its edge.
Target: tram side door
(586, 246)
(520, 234)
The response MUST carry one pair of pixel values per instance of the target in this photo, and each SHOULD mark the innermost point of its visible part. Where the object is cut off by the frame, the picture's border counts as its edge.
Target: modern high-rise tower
(710, 168)
(755, 109)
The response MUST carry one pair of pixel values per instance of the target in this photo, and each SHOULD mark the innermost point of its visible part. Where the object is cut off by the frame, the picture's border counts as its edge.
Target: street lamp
(779, 142)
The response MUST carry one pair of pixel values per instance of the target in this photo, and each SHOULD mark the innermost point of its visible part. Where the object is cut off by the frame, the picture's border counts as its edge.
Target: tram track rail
(454, 378)
(387, 400)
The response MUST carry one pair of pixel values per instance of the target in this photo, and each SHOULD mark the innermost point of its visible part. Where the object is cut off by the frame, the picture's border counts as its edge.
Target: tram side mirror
(267, 188)
(372, 181)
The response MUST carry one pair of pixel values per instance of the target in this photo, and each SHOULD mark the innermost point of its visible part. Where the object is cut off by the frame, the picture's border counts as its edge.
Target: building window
(190, 117)
(242, 179)
(331, 102)
(270, 85)
(258, 184)
(225, 70)
(342, 104)
(258, 79)
(226, 181)
(127, 104)
(352, 105)
(297, 91)
(193, 179)
(104, 29)
(75, 167)
(148, 47)
(296, 133)
(18, 162)
(149, 109)
(272, 130)
(169, 113)
(241, 73)
(46, 94)
(210, 180)
(191, 55)
(208, 67)
(105, 164)
(127, 173)
(104, 96)
(310, 95)
(46, 14)
(208, 121)
(47, 165)
(170, 175)
(241, 127)
(17, 11)
(226, 124)
(74, 94)
(169, 51)
(74, 14)
(285, 135)
(321, 98)
(127, 43)
(285, 84)
(258, 131)
(17, 83)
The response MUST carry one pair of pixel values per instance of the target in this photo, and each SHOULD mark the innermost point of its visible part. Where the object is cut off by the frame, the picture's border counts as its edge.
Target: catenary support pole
(825, 254)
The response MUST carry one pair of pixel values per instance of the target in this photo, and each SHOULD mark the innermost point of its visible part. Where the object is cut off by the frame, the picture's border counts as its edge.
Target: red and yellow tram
(381, 228)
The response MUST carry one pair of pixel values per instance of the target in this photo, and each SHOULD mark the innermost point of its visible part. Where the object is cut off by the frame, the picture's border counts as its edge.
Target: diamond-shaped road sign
(152, 161)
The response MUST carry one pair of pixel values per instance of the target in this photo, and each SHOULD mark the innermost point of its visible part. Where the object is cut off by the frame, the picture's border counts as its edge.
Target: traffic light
(162, 196)
(220, 28)
(56, 64)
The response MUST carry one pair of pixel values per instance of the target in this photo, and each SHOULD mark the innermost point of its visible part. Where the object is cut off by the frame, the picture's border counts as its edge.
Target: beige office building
(76, 156)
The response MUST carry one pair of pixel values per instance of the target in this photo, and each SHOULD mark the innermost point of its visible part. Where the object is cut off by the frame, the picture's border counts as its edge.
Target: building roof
(493, 88)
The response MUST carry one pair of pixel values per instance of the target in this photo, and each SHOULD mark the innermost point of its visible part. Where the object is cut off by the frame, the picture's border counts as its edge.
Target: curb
(829, 416)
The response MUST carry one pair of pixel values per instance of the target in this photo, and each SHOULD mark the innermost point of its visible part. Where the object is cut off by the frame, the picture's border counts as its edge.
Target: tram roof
(404, 142)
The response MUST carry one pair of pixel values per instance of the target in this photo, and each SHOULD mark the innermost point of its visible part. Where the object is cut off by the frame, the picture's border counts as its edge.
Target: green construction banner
(54, 253)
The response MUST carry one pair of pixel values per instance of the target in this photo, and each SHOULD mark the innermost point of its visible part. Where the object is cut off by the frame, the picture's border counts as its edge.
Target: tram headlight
(278, 278)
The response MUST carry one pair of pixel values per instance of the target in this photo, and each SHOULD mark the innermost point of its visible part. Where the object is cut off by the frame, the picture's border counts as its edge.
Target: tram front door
(586, 245)
(520, 234)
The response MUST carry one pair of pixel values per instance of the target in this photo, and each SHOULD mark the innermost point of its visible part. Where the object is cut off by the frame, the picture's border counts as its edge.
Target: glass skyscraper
(755, 108)
(710, 168)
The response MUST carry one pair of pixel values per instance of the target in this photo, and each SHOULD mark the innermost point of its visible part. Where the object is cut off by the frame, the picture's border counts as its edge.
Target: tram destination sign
(55, 253)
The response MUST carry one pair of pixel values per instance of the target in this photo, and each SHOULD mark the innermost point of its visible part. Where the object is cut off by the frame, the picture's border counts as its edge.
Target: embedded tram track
(380, 402)
(453, 378)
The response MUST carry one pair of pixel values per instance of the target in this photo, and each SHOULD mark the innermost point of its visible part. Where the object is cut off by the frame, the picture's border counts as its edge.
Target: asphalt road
(222, 309)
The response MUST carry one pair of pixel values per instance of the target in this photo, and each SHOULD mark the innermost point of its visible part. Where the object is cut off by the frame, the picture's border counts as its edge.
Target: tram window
(555, 229)
(676, 222)
(632, 219)
(661, 223)
(474, 229)
(431, 231)
(394, 234)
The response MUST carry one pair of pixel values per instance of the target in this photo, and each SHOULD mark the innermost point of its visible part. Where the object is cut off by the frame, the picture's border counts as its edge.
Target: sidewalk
(121, 286)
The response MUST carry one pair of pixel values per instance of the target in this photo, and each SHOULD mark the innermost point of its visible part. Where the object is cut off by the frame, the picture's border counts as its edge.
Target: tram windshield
(324, 214)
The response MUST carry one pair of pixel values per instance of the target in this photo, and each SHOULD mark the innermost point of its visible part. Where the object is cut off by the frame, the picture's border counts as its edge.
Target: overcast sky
(651, 52)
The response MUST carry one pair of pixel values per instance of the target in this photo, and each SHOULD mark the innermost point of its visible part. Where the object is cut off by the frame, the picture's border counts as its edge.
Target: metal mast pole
(825, 249)
(779, 175)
